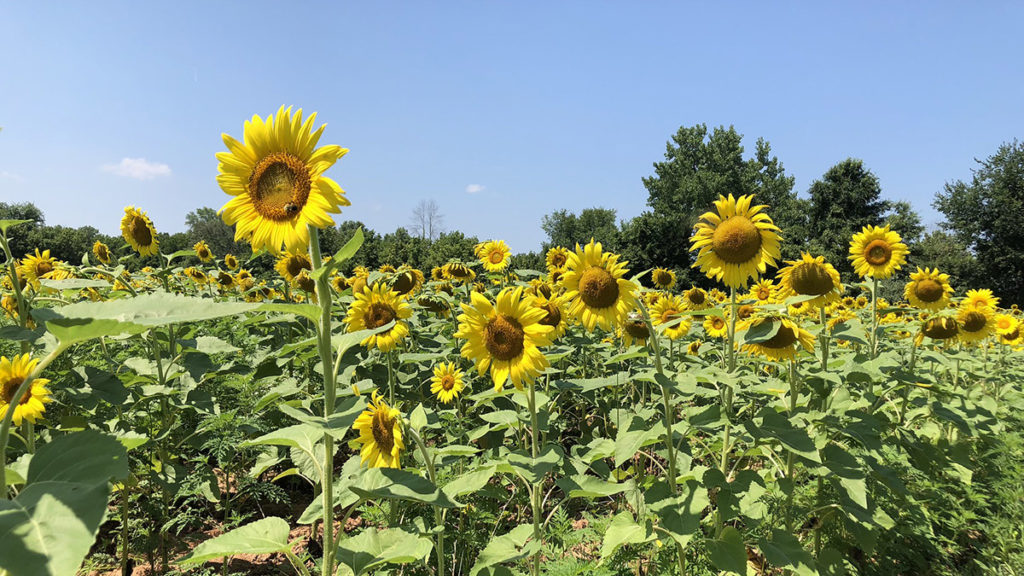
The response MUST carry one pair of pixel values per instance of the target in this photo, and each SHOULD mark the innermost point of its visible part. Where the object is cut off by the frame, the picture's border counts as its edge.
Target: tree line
(980, 243)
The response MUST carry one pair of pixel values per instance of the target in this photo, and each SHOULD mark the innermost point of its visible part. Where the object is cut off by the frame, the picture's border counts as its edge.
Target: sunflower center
(878, 252)
(383, 429)
(598, 288)
(928, 290)
(554, 317)
(811, 280)
(662, 278)
(940, 328)
(296, 265)
(717, 323)
(558, 259)
(458, 271)
(637, 329)
(496, 257)
(504, 338)
(1013, 335)
(10, 387)
(379, 314)
(696, 296)
(974, 321)
(279, 186)
(140, 231)
(43, 267)
(763, 293)
(736, 240)
(404, 282)
(784, 338)
(447, 382)
(745, 311)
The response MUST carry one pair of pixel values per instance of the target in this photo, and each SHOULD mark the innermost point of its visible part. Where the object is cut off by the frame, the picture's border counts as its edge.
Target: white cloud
(4, 174)
(474, 188)
(138, 168)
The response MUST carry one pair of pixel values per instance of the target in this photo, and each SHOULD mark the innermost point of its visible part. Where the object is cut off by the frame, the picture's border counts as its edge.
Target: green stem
(324, 346)
(667, 410)
(438, 517)
(874, 317)
(794, 392)
(535, 493)
(824, 339)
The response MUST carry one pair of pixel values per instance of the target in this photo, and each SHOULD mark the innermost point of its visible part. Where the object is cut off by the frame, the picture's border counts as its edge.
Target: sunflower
(339, 283)
(595, 288)
(786, 342)
(380, 433)
(458, 272)
(225, 280)
(1013, 338)
(446, 382)
(976, 323)
(202, 250)
(374, 307)
(663, 278)
(495, 255)
(36, 266)
(139, 232)
(196, 275)
(763, 291)
(435, 304)
(877, 252)
(557, 258)
(505, 337)
(980, 299)
(555, 316)
(290, 265)
(407, 281)
(386, 269)
(810, 276)
(539, 288)
(693, 348)
(276, 178)
(437, 274)
(736, 242)
(305, 283)
(634, 330)
(696, 299)
(230, 262)
(715, 327)
(101, 252)
(940, 328)
(358, 281)
(13, 373)
(665, 311)
(928, 289)
(1005, 324)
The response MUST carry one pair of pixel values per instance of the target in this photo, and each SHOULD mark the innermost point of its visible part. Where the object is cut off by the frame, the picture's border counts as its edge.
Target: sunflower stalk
(535, 492)
(438, 514)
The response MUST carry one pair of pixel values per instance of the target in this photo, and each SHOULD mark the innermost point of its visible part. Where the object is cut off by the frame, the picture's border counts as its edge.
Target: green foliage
(567, 229)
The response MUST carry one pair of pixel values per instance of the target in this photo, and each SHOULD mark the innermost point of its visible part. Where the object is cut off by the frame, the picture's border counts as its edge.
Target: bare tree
(427, 220)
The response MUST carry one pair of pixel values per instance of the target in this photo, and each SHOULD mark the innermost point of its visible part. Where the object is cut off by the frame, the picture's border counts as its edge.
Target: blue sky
(539, 105)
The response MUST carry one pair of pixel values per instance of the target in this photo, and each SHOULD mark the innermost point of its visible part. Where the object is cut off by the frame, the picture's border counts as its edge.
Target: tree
(18, 235)
(653, 240)
(427, 221)
(400, 247)
(567, 229)
(205, 224)
(699, 167)
(847, 198)
(448, 246)
(986, 215)
(942, 250)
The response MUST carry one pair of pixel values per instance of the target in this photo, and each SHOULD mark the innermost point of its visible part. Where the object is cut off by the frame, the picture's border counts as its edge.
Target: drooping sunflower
(225, 280)
(380, 433)
(374, 307)
(877, 252)
(306, 283)
(763, 291)
(101, 252)
(980, 299)
(36, 266)
(634, 331)
(940, 328)
(693, 348)
(784, 344)
(665, 311)
(13, 373)
(446, 382)
(203, 252)
(505, 337)
(339, 283)
(407, 281)
(276, 178)
(556, 259)
(386, 269)
(976, 323)
(495, 255)
(230, 262)
(810, 276)
(596, 291)
(458, 272)
(437, 274)
(663, 278)
(1014, 338)
(555, 314)
(928, 289)
(139, 232)
(696, 299)
(291, 264)
(736, 242)
(716, 327)
(196, 275)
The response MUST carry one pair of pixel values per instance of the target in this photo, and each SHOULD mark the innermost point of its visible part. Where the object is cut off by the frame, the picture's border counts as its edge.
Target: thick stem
(438, 516)
(794, 392)
(535, 493)
(324, 346)
(667, 412)
(824, 339)
(874, 317)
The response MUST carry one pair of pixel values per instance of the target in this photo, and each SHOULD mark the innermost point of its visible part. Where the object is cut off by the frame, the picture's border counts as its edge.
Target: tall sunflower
(736, 242)
(374, 307)
(665, 311)
(663, 278)
(505, 337)
(139, 232)
(101, 252)
(36, 266)
(495, 256)
(976, 323)
(877, 252)
(276, 178)
(13, 373)
(595, 288)
(380, 433)
(291, 264)
(784, 344)
(810, 276)
(928, 289)
(447, 382)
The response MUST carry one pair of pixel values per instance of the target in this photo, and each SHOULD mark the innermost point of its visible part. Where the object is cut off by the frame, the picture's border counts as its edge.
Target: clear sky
(500, 111)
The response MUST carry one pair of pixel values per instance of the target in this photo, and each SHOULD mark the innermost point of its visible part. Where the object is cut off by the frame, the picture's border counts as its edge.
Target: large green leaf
(680, 514)
(265, 536)
(396, 484)
(785, 551)
(776, 426)
(728, 553)
(583, 486)
(301, 437)
(623, 530)
(373, 548)
(515, 545)
(50, 526)
(345, 253)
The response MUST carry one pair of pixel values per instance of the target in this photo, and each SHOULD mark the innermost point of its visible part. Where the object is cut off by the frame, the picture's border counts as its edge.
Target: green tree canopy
(567, 229)
(206, 224)
(986, 215)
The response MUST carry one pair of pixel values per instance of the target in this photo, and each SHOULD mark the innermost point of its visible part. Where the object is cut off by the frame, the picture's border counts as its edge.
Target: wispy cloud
(137, 168)
(4, 174)
(474, 188)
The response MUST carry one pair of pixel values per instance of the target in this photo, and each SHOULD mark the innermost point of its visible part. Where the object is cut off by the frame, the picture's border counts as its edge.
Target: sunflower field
(190, 417)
